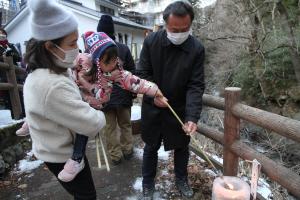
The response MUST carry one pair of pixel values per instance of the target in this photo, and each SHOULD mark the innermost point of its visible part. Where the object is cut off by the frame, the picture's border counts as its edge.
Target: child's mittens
(102, 95)
(114, 76)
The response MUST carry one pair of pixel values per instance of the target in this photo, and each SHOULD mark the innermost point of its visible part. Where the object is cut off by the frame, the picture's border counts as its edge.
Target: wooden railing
(12, 86)
(234, 148)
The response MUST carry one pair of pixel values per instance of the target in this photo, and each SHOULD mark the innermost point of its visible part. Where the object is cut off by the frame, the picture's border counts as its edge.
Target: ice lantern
(230, 188)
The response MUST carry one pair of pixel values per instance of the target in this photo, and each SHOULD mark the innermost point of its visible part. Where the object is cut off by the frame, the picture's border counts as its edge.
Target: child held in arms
(95, 74)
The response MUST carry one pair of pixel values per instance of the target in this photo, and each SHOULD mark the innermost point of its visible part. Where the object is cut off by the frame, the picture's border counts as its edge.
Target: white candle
(239, 189)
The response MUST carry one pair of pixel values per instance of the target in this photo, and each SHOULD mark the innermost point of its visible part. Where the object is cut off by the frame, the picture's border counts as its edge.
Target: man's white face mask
(178, 38)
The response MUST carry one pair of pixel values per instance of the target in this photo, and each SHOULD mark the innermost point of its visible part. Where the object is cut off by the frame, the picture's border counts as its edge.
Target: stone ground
(122, 183)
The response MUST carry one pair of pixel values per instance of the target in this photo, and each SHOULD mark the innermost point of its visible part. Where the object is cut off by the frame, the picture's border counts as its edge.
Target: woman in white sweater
(54, 107)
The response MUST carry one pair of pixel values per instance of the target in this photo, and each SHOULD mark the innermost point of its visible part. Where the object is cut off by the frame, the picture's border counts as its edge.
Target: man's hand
(190, 128)
(160, 100)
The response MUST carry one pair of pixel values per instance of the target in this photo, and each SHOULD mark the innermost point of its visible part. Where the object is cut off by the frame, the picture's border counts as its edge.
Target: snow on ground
(162, 154)
(138, 152)
(210, 172)
(198, 157)
(6, 120)
(135, 112)
(138, 184)
(27, 165)
(263, 188)
(217, 158)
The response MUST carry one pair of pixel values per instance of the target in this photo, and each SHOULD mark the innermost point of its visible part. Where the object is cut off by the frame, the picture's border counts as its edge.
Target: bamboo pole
(104, 154)
(192, 137)
(97, 151)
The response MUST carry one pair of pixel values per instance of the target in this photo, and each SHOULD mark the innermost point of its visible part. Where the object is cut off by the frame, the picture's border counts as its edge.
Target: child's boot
(71, 169)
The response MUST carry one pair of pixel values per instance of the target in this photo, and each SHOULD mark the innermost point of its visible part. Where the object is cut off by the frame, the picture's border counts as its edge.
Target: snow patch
(198, 157)
(263, 188)
(138, 153)
(26, 165)
(6, 120)
(135, 112)
(217, 158)
(210, 172)
(162, 154)
(138, 184)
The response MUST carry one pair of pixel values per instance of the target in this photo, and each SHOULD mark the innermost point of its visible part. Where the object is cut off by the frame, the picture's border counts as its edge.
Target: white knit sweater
(55, 112)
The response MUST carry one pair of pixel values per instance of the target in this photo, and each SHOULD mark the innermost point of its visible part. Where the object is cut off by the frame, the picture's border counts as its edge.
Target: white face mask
(70, 56)
(178, 38)
(2, 37)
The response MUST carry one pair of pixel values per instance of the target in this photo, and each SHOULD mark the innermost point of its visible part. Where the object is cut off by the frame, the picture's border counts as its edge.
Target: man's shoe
(184, 188)
(128, 156)
(148, 193)
(116, 162)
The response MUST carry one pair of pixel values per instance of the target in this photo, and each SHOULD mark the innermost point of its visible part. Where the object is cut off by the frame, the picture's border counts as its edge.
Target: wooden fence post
(13, 92)
(231, 131)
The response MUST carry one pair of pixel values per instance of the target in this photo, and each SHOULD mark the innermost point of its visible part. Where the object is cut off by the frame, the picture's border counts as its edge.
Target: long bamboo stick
(104, 154)
(97, 151)
(192, 137)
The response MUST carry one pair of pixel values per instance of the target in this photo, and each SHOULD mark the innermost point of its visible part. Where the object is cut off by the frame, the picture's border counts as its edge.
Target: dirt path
(122, 183)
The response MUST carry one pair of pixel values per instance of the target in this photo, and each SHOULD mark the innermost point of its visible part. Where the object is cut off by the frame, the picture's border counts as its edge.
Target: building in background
(151, 10)
(88, 13)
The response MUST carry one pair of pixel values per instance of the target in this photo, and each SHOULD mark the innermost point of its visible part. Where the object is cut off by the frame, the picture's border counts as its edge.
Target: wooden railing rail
(234, 148)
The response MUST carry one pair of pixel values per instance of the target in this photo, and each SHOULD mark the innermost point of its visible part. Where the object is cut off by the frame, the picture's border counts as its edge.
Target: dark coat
(12, 52)
(119, 96)
(179, 73)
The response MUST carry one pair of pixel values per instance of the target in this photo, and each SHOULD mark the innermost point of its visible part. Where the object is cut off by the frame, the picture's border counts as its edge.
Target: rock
(294, 93)
(18, 150)
(2, 165)
(9, 156)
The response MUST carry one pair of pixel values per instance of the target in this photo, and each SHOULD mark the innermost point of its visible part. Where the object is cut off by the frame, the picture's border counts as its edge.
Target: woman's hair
(37, 56)
(178, 8)
(111, 54)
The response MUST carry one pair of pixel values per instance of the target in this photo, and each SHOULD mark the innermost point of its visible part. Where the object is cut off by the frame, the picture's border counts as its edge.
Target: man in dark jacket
(173, 59)
(118, 109)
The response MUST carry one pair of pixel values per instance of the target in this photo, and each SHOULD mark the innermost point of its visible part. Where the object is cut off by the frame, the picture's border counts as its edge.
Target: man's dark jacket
(120, 97)
(179, 73)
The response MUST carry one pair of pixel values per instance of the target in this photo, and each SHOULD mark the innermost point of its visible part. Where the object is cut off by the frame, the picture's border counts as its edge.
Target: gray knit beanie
(50, 21)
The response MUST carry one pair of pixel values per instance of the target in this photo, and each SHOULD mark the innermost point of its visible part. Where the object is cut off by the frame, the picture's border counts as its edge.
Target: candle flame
(229, 186)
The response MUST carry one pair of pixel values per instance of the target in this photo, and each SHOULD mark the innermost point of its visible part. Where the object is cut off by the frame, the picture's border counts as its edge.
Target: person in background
(118, 109)
(173, 59)
(54, 107)
(6, 49)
